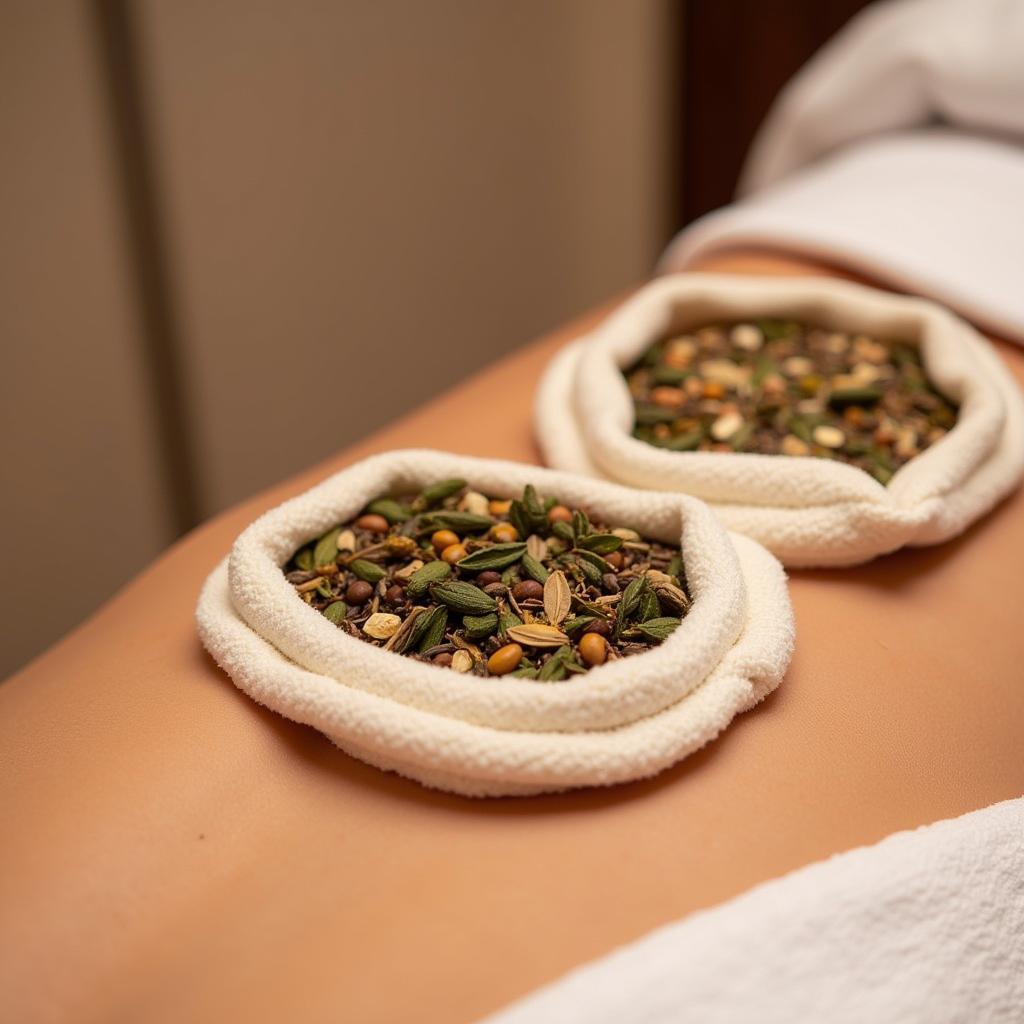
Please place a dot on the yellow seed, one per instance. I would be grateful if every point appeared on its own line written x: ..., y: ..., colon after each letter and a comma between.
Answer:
x: 505, y: 659
x: 442, y: 539
x: 504, y: 533
x: 828, y: 436
x: 453, y: 553
x: 593, y: 649
x: 499, y: 507
x: 559, y: 514
x: 792, y: 445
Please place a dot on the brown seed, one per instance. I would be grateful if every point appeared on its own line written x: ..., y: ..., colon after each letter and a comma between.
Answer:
x: 667, y: 396
x: 614, y: 559
x: 600, y: 627
x: 505, y: 659
x: 442, y: 539
x: 712, y: 389
x: 593, y: 648
x: 559, y: 514
x: 504, y: 533
x: 444, y: 659
x: 373, y: 523
x: 487, y: 577
x: 358, y: 592
x: 395, y: 595
x: 453, y: 553
x: 528, y: 590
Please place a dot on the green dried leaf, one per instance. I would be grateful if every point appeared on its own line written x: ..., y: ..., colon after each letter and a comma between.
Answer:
x: 580, y: 526
x: 564, y: 532
x: 573, y: 627
x: 463, y: 598
x: 553, y: 670
x: 600, y: 543
x: 460, y: 522
x: 326, y: 550
x: 323, y: 588
x: 507, y: 620
x: 368, y: 571
x: 658, y: 629
x: 519, y: 518
x: 524, y: 673
x: 497, y: 556
x: 336, y: 612
x: 675, y: 566
x: 648, y: 608
x: 854, y: 396
x: 422, y: 578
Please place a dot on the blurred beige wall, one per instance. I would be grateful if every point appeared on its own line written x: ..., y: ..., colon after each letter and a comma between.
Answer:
x: 359, y: 204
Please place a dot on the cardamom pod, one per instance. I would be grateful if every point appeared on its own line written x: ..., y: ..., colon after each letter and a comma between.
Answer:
x: 432, y: 626
x: 479, y: 626
x: 336, y: 612
x: 497, y: 556
x: 595, y: 560
x: 304, y: 559
x: 590, y: 573
x: 534, y: 569
x: 422, y: 578
x: 564, y: 532
x: 394, y: 512
x: 326, y: 550
x: 368, y: 571
x: 442, y: 489
x: 463, y: 598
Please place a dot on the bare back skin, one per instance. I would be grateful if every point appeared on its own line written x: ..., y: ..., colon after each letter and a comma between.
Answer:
x: 172, y: 851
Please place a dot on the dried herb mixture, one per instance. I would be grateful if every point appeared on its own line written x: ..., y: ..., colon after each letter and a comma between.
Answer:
x: 779, y: 387
x: 493, y: 586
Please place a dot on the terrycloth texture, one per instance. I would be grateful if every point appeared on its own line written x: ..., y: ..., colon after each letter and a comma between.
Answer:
x: 807, y: 511
x: 926, y: 927
x: 848, y: 167
x: 622, y: 721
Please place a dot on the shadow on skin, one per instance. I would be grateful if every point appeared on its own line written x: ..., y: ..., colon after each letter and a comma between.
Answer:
x: 318, y: 753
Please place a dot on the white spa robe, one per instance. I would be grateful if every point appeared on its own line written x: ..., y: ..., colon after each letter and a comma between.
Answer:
x: 898, y: 152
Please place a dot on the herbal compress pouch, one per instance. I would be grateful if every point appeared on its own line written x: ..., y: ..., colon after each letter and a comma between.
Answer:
x: 808, y: 511
x: 624, y: 720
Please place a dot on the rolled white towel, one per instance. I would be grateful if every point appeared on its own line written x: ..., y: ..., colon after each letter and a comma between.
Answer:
x: 807, y: 511
x: 624, y: 720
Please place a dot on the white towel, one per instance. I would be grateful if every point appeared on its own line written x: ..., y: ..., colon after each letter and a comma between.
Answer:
x: 625, y: 720
x: 807, y: 511
x: 926, y: 927
x: 849, y: 168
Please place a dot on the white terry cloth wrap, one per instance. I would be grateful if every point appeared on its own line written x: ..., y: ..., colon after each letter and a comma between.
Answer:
x: 848, y: 166
x: 624, y: 720
x: 926, y: 926
x: 807, y: 511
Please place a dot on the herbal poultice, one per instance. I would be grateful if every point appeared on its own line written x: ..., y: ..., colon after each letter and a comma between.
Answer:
x: 490, y: 586
x: 492, y: 628
x: 829, y: 421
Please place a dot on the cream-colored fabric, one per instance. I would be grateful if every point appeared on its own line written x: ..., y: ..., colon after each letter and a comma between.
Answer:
x: 625, y: 720
x: 807, y: 511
